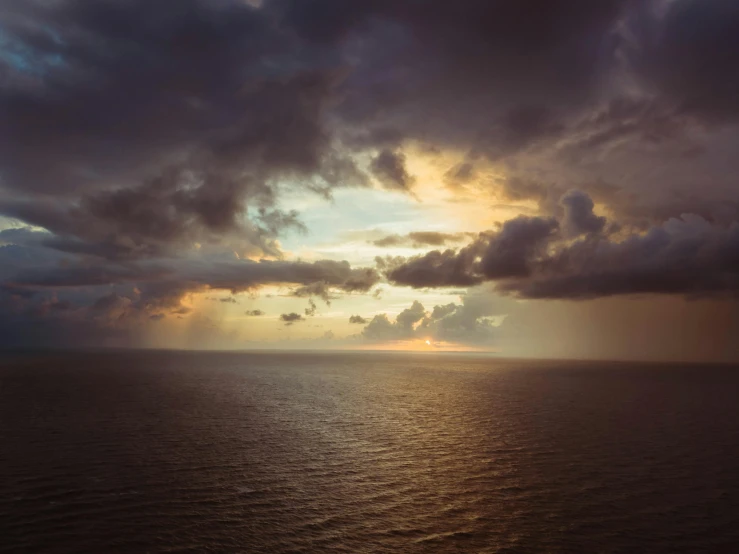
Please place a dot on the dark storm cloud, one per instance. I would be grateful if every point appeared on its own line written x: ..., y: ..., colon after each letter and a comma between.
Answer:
x: 159, y: 124
x: 489, y: 76
x: 33, y: 274
x: 136, y: 83
x: 147, y: 139
x: 579, y: 218
x: 449, y: 268
x: 54, y: 328
x: 692, y: 56
x: 532, y: 258
x: 233, y: 275
x: 509, y: 252
x: 685, y: 256
x: 112, y: 91
x: 113, y: 302
x: 578, y: 84
x: 629, y: 208
x: 167, y: 212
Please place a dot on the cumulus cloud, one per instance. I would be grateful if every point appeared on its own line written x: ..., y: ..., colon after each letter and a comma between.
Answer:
x: 358, y: 319
x: 532, y: 258
x: 686, y: 256
x: 467, y: 323
x: 578, y: 214
x: 289, y: 319
x: 509, y: 252
x: 449, y: 268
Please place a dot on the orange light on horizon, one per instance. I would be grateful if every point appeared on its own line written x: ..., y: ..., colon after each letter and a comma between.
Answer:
x: 424, y: 345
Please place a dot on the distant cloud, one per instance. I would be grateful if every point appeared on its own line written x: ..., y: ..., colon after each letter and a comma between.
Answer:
x: 465, y: 323
x: 254, y: 313
x: 419, y: 239
x: 291, y: 318
x: 358, y: 319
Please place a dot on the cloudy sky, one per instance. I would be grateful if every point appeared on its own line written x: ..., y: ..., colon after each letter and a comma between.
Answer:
x: 550, y: 178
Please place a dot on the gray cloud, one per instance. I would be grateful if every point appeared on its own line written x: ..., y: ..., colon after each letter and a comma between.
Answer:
x: 419, y: 239
x: 32, y: 275
x: 466, y: 323
x: 358, y: 319
x: 201, y: 127
x: 189, y: 83
x: 505, y: 254
x: 152, y: 144
x: 632, y: 209
x: 380, y: 328
x: 531, y: 258
x: 254, y: 313
x: 389, y: 168
x: 434, y: 269
x: 509, y: 252
x: 278, y: 88
x: 289, y: 319
x: 690, y: 56
x: 578, y: 214
x: 686, y: 256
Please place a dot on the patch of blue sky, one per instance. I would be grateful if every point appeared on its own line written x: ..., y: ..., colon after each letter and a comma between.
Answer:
x: 353, y: 210
x: 24, y: 59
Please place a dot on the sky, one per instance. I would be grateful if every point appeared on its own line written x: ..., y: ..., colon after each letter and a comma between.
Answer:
x: 543, y: 178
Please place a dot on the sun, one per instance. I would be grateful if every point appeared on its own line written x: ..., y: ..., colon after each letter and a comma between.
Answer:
x: 428, y: 343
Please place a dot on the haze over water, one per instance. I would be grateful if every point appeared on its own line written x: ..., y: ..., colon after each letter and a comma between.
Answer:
x: 231, y: 452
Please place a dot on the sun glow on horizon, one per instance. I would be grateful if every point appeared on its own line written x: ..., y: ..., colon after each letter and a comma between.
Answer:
x: 423, y: 345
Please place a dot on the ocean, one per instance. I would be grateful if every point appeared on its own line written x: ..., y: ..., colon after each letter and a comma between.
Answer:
x: 145, y: 451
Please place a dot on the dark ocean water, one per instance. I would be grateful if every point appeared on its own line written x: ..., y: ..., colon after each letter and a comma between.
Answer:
x: 182, y: 452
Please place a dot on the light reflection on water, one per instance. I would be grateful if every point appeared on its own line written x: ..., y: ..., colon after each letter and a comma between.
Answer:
x: 136, y: 452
